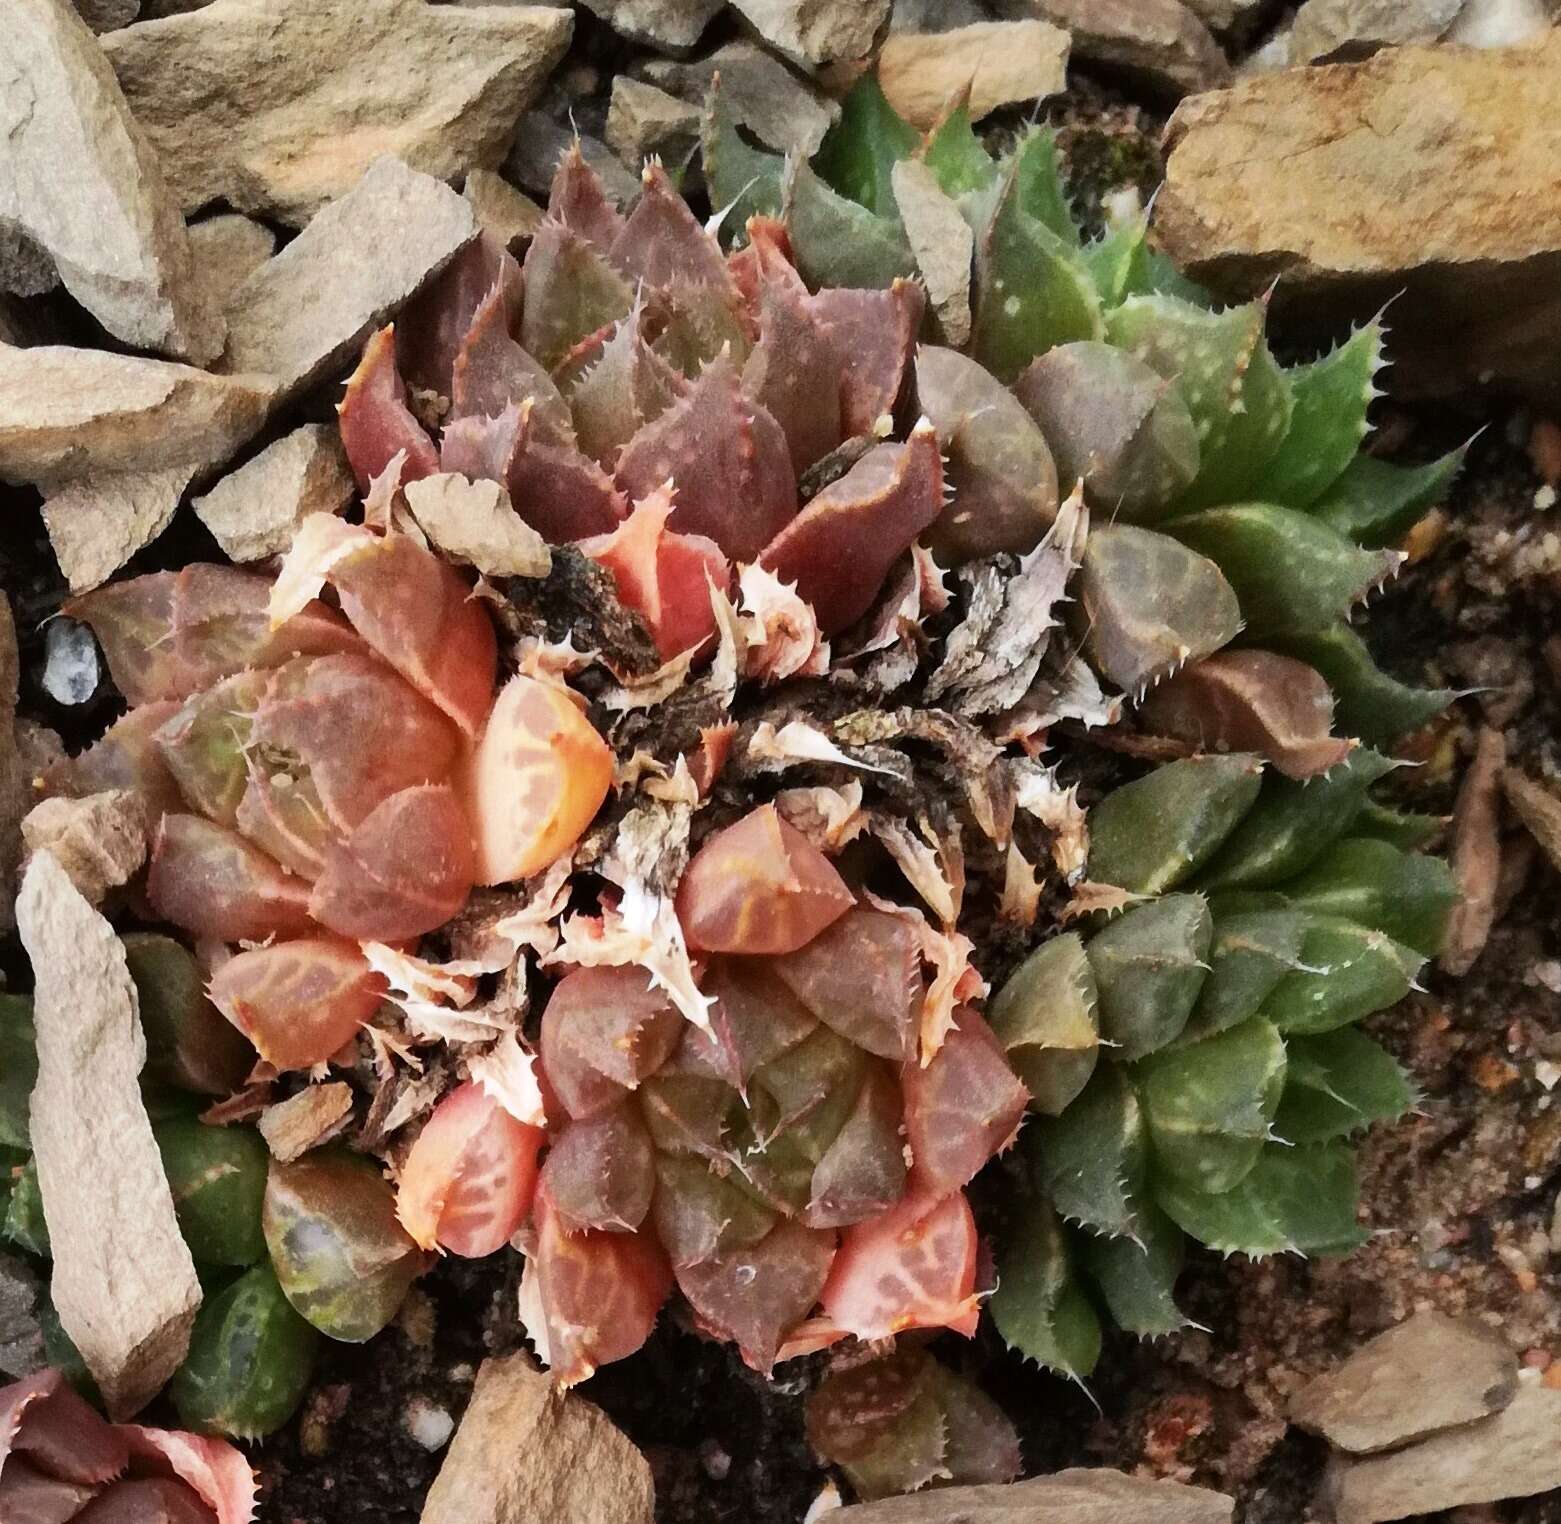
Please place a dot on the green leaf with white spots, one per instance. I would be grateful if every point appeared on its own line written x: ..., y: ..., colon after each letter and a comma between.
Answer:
x: 1292, y: 574
x: 955, y: 156
x: 1150, y: 964
x: 1238, y: 396
x: 1118, y: 261
x: 1209, y: 1105
x: 1044, y: 1016
x: 1149, y: 835
x: 1372, y: 882
x: 1033, y: 290
x: 1377, y: 503
x: 1327, y: 423
x: 1137, y: 1276
x: 840, y: 243
x: 1162, y: 278
x: 1293, y: 1201
x: 1038, y: 187
x: 1251, y: 952
x: 1366, y: 701
x: 1092, y: 1158
x: 1293, y: 823
x: 1337, y: 1083
x: 1039, y: 1307
x: 744, y: 181
x: 1350, y: 971
x: 859, y: 152
x: 218, y: 1179
x: 249, y: 1363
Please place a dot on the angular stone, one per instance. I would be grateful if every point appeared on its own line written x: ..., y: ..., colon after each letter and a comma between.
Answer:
x: 305, y: 312
x: 1499, y: 23
x: 942, y: 242
x: 228, y: 250
x: 1078, y: 1496
x: 14, y: 798
x: 526, y: 1451
x: 25, y: 270
x: 306, y: 1120
x: 253, y: 512
x: 1228, y: 15
x: 79, y: 177
x: 278, y: 106
x: 778, y: 106
x: 507, y: 214
x: 1514, y: 1454
x: 98, y: 521
x: 1416, y: 174
x: 814, y: 32
x: 99, y: 840
x: 21, y: 1334
x: 65, y: 413
x: 1339, y: 30
x: 1002, y: 62
x: 643, y: 120
x: 540, y: 143
x: 1431, y: 1372
x: 672, y: 25
x: 934, y: 15
x: 1158, y: 42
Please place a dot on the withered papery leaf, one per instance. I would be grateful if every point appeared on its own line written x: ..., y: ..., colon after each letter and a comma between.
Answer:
x: 840, y: 548
x: 124, y: 1284
x: 306, y: 1120
x: 475, y: 522
x: 1251, y: 701
x: 1476, y: 853
x: 376, y: 422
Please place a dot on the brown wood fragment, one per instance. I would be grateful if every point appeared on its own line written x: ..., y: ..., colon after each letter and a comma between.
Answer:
x: 1476, y: 854
x: 1538, y: 809
x: 304, y: 1121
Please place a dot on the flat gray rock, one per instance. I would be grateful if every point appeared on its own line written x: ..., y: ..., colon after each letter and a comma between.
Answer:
x: 278, y: 106
x: 79, y: 178
x: 255, y: 511
x: 1514, y: 1454
x: 228, y: 250
x: 305, y: 312
x: 1346, y: 29
x: 98, y: 521
x: 1069, y: 1497
x: 814, y: 32
x: 672, y: 25
x: 1431, y: 1372
x: 644, y: 121
x: 540, y: 142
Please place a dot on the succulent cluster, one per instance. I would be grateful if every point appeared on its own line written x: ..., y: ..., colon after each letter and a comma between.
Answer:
x: 749, y: 474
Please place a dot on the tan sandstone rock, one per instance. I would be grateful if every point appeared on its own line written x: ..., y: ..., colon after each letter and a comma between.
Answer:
x: 999, y: 62
x: 279, y: 105
x: 1435, y: 172
x: 507, y: 214
x: 228, y: 250
x: 254, y: 512
x: 1078, y: 1496
x: 80, y: 179
x: 813, y: 32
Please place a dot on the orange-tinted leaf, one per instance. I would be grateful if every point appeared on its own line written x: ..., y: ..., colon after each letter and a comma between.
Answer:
x: 213, y: 1467
x: 376, y: 423
x: 913, y: 1267
x: 757, y: 1295
x: 601, y: 1172
x: 563, y: 494
x: 534, y: 780
x: 961, y: 1108
x: 210, y: 882
x: 43, y: 1420
x: 759, y: 886
x: 665, y: 577
x: 603, y: 1031
x: 414, y: 610
x: 468, y: 1182
x: 729, y: 463
x: 1255, y: 701
x: 298, y: 1002
x: 597, y: 1294
x: 839, y: 549
x: 406, y: 868
x: 145, y: 1500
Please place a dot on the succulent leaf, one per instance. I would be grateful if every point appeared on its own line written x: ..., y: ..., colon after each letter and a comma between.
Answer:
x: 954, y: 154
x: 1336, y: 1083
x: 1045, y: 1018
x: 1149, y: 835
x: 1349, y: 971
x: 1149, y: 966
x: 249, y: 1363
x: 1093, y: 1158
x: 1367, y: 702
x: 840, y: 242
x: 218, y: 1179
x: 572, y: 294
x: 1293, y: 1201
x: 996, y: 461
x: 1372, y: 882
x: 1115, y: 424
x: 1238, y: 396
x: 1328, y: 422
x: 744, y: 181
x: 1250, y: 953
x: 1375, y: 502
x: 1039, y: 1307
x: 1033, y: 290
x: 1407, y: 831
x: 1038, y: 189
x: 24, y: 1220
x: 1292, y: 824
x: 860, y: 150
x: 1208, y: 1105
x: 18, y: 1069
x: 1118, y: 261
x: 1137, y: 1276
x: 1292, y: 574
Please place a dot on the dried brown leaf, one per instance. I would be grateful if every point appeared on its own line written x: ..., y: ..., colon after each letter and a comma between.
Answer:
x: 306, y: 1120
x: 1476, y: 855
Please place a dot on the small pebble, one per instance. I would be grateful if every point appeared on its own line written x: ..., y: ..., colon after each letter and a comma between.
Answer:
x: 428, y: 1424
x: 70, y: 666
